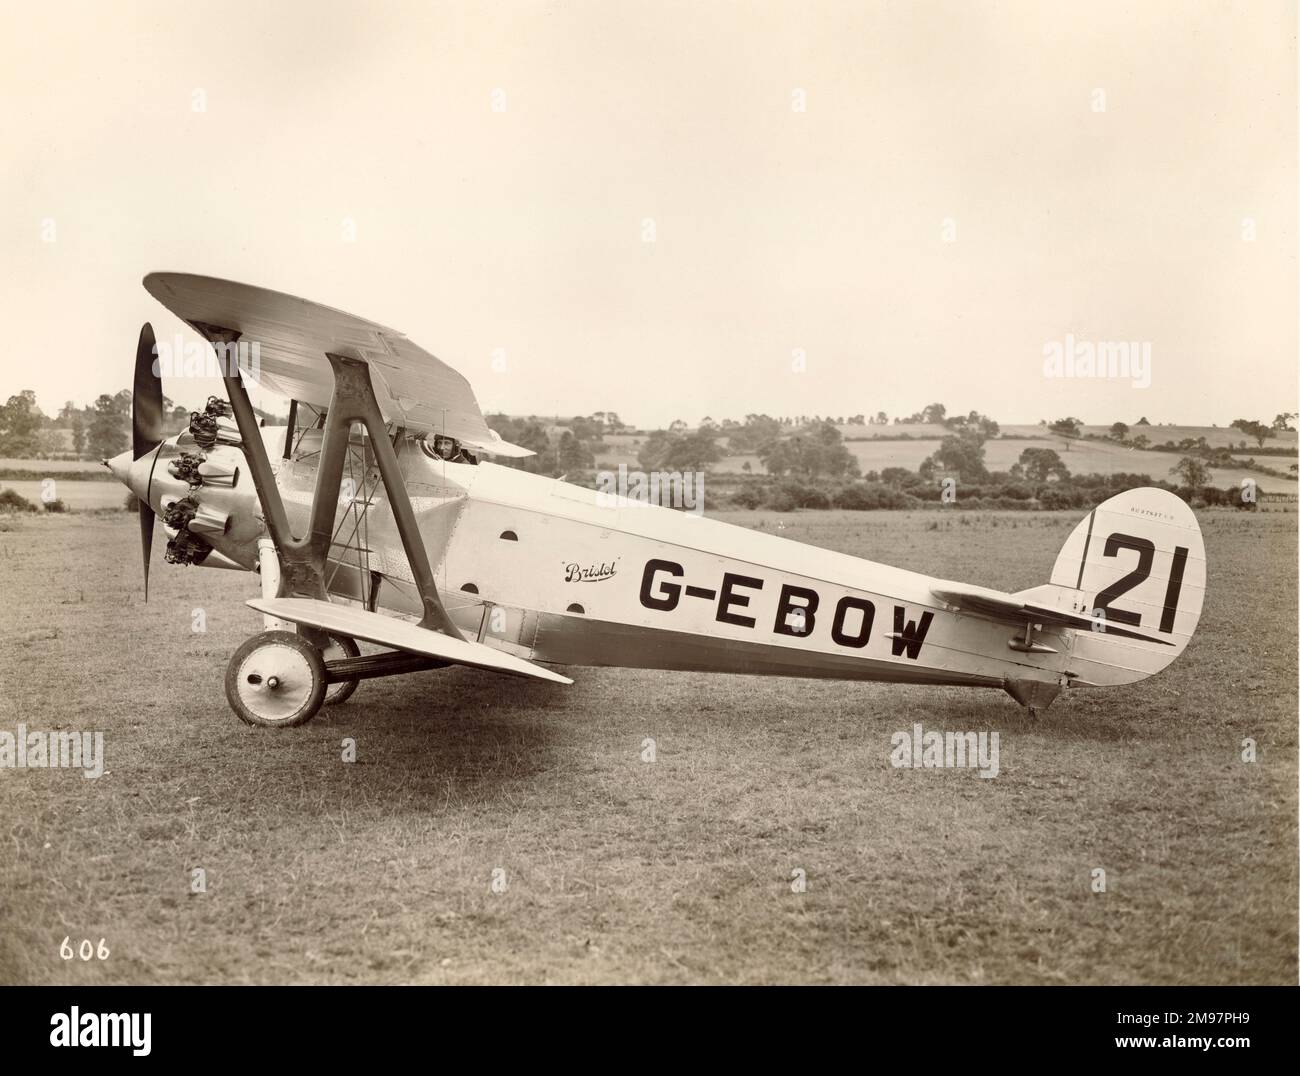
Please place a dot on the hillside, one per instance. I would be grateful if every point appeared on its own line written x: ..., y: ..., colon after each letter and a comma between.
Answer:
x: 875, y: 451
x: 1215, y: 436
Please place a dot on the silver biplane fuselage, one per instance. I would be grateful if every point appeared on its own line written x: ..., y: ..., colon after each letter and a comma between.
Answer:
x: 562, y: 574
x: 530, y: 570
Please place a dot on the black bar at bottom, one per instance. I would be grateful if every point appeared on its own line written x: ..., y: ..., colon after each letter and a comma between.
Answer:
x: 1246, y: 1027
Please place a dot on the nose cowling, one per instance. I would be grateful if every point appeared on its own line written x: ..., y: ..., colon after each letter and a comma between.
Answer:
x: 134, y: 473
x: 166, y: 473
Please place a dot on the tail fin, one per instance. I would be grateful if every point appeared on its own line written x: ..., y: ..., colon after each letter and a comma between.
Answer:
x: 1136, y: 562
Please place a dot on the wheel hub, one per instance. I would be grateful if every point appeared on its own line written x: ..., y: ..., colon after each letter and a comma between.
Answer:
x: 275, y: 682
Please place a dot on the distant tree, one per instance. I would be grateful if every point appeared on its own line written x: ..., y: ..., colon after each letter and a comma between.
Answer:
x: 590, y: 431
x: 986, y: 426
x: 896, y: 477
x: 653, y: 449
x: 1068, y: 429
x: 1119, y: 431
x: 1142, y: 421
x: 882, y: 419
x: 20, y: 425
x: 929, y: 413
x: 1140, y: 441
x: 78, y: 435
x: 1284, y: 419
x: 109, y: 428
x: 1252, y: 428
x: 817, y: 452
x: 692, y: 452
x: 932, y: 414
x: 961, y: 454
x: 1194, y: 472
x: 572, y: 455
x: 1041, y: 464
x: 757, y: 431
x: 676, y: 426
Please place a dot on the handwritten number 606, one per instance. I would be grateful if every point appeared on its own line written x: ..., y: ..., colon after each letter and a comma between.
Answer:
x: 86, y: 950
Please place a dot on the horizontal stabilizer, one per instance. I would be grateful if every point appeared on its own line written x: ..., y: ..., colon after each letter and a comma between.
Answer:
x: 388, y: 631
x: 1011, y: 609
x: 1130, y: 578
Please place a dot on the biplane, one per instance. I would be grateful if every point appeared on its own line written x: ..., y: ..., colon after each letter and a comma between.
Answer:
x: 376, y: 515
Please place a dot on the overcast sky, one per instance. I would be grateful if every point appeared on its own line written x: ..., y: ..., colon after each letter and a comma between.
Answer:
x: 966, y: 183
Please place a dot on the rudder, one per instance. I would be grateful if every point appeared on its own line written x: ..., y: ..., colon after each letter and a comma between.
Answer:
x: 1135, y: 562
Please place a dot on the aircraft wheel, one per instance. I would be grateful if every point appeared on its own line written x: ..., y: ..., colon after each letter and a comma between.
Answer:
x: 341, y: 646
x: 276, y: 680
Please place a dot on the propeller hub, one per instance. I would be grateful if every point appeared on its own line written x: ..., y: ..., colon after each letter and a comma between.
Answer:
x: 134, y: 473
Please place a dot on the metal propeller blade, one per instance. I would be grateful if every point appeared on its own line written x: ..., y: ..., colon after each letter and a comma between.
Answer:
x: 146, y: 397
x: 146, y: 428
x: 146, y: 541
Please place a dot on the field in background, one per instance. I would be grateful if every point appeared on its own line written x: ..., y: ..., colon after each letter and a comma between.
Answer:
x: 875, y: 452
x: 870, y: 444
x: 1083, y: 457
x: 75, y: 494
x: 617, y: 869
x: 50, y: 467
x: 1215, y: 436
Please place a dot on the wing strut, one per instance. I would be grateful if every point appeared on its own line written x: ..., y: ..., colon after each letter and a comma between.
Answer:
x: 353, y: 400
x: 302, y: 560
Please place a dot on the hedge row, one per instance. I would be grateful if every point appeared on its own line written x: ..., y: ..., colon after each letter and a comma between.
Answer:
x: 788, y: 495
x: 11, y: 501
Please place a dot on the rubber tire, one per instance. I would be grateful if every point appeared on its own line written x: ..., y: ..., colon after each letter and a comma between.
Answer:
x: 316, y: 668
x: 342, y: 691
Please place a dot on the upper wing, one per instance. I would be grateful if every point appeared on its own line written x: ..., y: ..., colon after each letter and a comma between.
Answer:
x: 1014, y: 609
x: 387, y: 631
x: 292, y: 337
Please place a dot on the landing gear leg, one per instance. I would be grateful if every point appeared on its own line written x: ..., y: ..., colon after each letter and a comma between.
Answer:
x: 337, y: 646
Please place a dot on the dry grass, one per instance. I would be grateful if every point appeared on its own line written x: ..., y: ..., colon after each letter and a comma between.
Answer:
x: 619, y: 870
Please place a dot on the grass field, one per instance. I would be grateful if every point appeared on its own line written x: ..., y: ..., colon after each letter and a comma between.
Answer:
x: 320, y: 871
